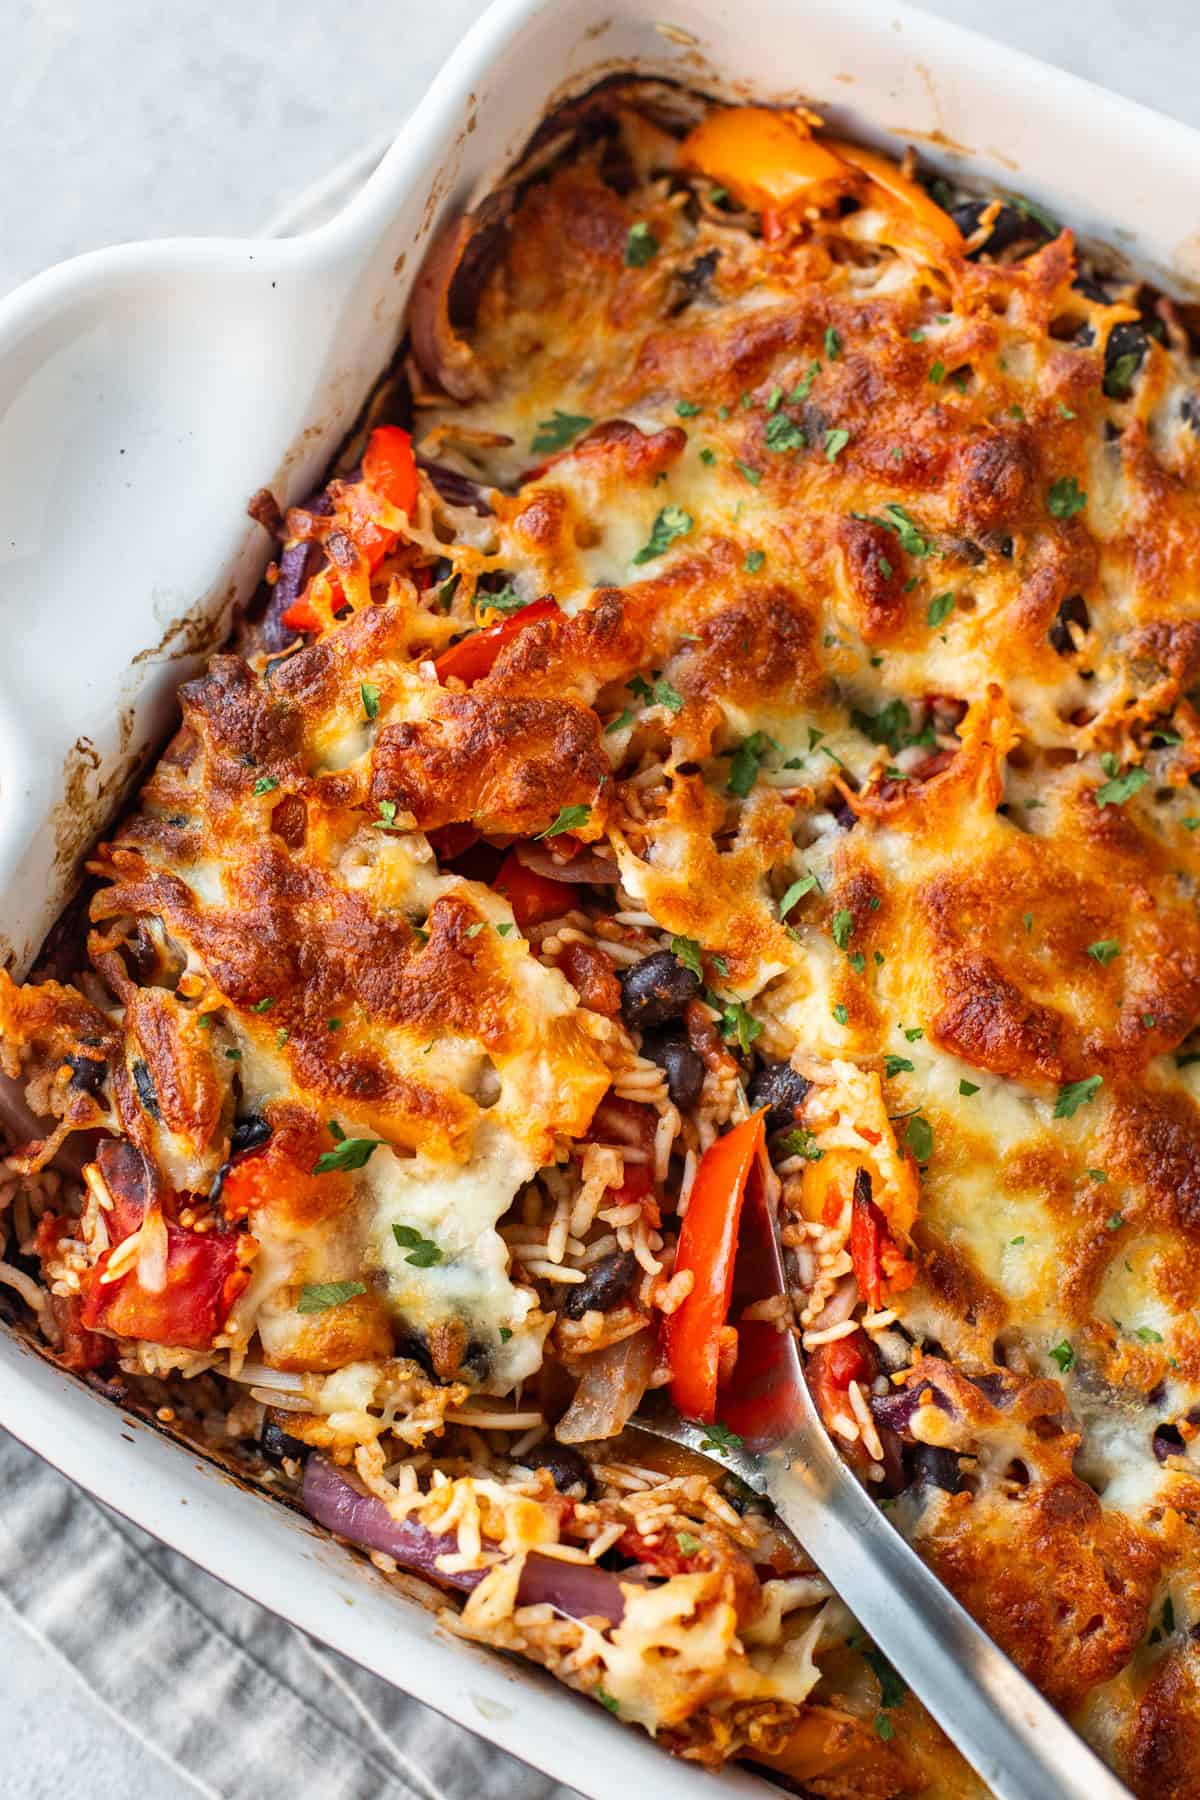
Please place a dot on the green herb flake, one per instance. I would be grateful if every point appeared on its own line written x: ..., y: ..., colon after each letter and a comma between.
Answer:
x: 720, y: 1439
x: 708, y: 456
x: 474, y: 930
x: 1064, y: 1355
x: 319, y: 1296
x: 281, y: 1037
x: 753, y: 476
x: 444, y: 594
x: 1020, y: 1239
x: 1064, y: 410
x: 387, y: 817
x: 884, y: 1727
x: 1065, y: 497
x: 840, y: 1013
x: 423, y: 1253
x: 754, y: 561
x: 842, y: 927
x: 918, y: 1135
x: 640, y: 245
x: 334, y: 1024
x: 568, y: 818
x: 266, y: 784
x: 835, y: 443
x: 688, y: 1542
x: 672, y: 522
x: 799, y: 1142
x: 265, y: 1005
x: 351, y: 1153
x: 913, y: 1032
x: 898, y: 1065
x: 560, y: 429
x: 892, y: 1687
x: 1038, y: 214
x: 619, y: 723
x: 744, y: 765
x: 688, y: 409
x: 917, y: 336
x: 940, y: 608
x: 937, y: 373
x: 370, y: 699
x: 803, y: 387
x: 1074, y: 1094
x: 1146, y: 1334
x: 738, y: 1026
x: 614, y: 1706
x: 688, y: 951
x: 783, y: 434
x: 833, y: 344
x: 1118, y: 379
x: 1103, y: 951
x: 233, y: 1056
x: 967, y: 1088
x: 795, y: 892
x: 666, y: 695
x: 505, y: 1333
x: 1120, y: 786
x: 501, y: 600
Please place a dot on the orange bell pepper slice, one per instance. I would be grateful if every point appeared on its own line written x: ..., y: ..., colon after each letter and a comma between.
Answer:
x: 911, y: 199
x: 473, y: 657
x: 708, y: 1247
x: 768, y: 160
x: 534, y: 898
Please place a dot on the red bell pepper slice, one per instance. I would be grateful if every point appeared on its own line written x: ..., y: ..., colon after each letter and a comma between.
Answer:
x: 473, y: 657
x: 390, y: 468
x: 707, y: 1246
x: 205, y: 1274
x: 873, y: 1250
x: 830, y: 1368
x: 534, y: 898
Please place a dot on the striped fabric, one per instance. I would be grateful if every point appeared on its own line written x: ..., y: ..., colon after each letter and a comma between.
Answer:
x: 234, y: 1699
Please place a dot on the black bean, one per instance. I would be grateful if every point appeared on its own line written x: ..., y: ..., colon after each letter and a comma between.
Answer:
x: 607, y: 1284
x: 276, y: 1443
x: 845, y: 814
x: 934, y: 1466
x: 1008, y: 227
x: 777, y: 1086
x: 1124, y: 354
x: 1189, y: 411
x: 1073, y: 611
x: 656, y: 989
x: 143, y: 1081
x: 87, y: 1074
x: 412, y: 1345
x: 683, y: 1068
x: 567, y: 1468
x: 250, y: 1134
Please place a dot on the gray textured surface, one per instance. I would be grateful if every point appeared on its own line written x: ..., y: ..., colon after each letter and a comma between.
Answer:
x: 134, y: 118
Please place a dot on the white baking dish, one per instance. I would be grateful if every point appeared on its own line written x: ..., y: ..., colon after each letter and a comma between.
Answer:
x: 146, y: 392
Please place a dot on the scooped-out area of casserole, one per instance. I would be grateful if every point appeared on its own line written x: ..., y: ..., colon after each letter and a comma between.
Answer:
x: 728, y: 717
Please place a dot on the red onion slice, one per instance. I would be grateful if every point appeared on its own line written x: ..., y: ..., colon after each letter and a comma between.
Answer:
x: 584, y: 866
x: 335, y: 1500
x: 610, y: 1390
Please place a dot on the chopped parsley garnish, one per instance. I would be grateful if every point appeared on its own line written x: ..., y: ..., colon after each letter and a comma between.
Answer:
x: 783, y: 433
x: 796, y: 892
x: 333, y: 1024
x: 556, y: 432
x: 892, y: 726
x: 896, y: 518
x: 1065, y: 497
x: 897, y: 1065
x: 913, y: 1032
x: 833, y: 344
x: 505, y: 926
x: 474, y: 930
x: 640, y: 245
x: 1018, y: 1240
x: 737, y: 1025
x: 351, y: 1153
x: 708, y: 456
x: 281, y: 1037
x: 264, y: 1005
x: 568, y: 818
x: 842, y: 927
x: 1064, y: 1355
x: 370, y: 699
x: 444, y: 596
x: 319, y: 1296
x: 754, y: 561
x: 800, y: 1142
x: 967, y: 1088
x: 666, y: 695
x: 940, y: 608
x: 233, y: 1056
x: 688, y: 1542
x: 687, y: 951
x: 1064, y: 410
x: 743, y: 769
x: 619, y: 723
x: 892, y: 1688
x: 672, y: 522
x: 505, y: 1333
x: 803, y: 387
x: 687, y: 409
x: 918, y: 1135
x: 720, y: 1439
x: 1120, y: 786
x: 1103, y: 951
x: 1074, y: 1094
x: 387, y: 817
x: 504, y: 600
x: 884, y: 1727
x: 917, y: 336
x: 1146, y: 1334
x: 266, y: 784
x: 840, y: 1013
x: 753, y: 476
x: 937, y: 373
x: 614, y: 1706
x: 835, y: 443
x: 423, y: 1253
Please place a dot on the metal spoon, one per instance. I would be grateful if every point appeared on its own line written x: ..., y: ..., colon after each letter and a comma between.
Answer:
x: 1009, y: 1733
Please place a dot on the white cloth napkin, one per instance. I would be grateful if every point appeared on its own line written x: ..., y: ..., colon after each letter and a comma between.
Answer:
x: 230, y: 1696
